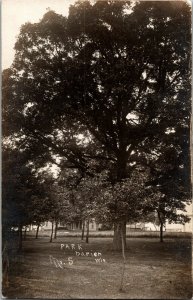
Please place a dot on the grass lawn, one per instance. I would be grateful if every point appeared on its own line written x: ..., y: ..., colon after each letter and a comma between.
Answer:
x: 153, y: 270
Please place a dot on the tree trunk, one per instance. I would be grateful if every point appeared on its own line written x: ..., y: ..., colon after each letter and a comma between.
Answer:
x: 20, y: 237
x: 87, y: 232
x: 124, y: 259
x: 83, y: 227
x: 24, y: 237
x: 161, y: 226
x: 120, y: 226
x: 5, y: 266
x: 37, y: 230
x: 52, y: 232
x: 56, y: 229
x: 119, y: 229
x: 161, y: 232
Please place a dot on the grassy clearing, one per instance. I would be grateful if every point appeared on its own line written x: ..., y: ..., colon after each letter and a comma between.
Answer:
x: 153, y: 270
x: 110, y: 233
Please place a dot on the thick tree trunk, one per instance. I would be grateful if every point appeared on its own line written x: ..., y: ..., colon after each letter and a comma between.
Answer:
x: 119, y: 229
x: 20, y: 237
x: 37, y: 231
x: 87, y: 232
x: 83, y: 227
x: 52, y: 232
x: 56, y: 229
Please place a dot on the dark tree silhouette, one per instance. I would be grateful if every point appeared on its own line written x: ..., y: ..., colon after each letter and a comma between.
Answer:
x: 19, y: 187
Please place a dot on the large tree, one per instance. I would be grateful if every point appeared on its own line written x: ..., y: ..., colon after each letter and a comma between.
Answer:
x: 114, y: 73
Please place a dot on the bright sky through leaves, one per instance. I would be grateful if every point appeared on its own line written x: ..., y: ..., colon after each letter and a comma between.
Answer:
x: 17, y: 12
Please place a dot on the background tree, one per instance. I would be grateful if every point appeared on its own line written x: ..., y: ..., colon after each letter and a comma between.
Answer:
x: 19, y: 187
x: 88, y: 197
x: 169, y: 181
x: 40, y: 210
x: 58, y: 202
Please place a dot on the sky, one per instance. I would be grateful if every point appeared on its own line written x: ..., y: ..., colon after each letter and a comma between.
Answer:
x: 14, y: 13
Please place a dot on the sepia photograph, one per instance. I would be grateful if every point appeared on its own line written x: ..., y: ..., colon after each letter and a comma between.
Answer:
x: 96, y: 149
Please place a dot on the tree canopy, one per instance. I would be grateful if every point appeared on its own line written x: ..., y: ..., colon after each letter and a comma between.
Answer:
x: 106, y: 88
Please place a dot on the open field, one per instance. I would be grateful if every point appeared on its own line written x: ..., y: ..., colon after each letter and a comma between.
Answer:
x: 153, y: 270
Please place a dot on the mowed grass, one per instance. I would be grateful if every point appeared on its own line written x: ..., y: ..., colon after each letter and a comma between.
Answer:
x: 153, y: 270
